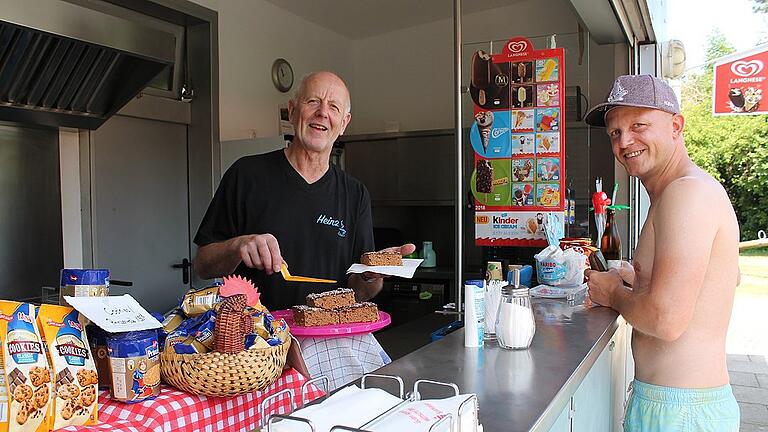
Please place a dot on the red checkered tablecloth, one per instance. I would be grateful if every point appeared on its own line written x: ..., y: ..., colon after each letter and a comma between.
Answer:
x: 175, y: 410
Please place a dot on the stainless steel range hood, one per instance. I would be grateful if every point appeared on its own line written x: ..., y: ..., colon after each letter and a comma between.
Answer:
x: 68, y: 63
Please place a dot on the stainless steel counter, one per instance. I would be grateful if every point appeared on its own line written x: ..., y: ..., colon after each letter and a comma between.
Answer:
x: 518, y: 390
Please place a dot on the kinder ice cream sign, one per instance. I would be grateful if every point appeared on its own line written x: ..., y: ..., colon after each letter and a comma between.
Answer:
x: 741, y: 83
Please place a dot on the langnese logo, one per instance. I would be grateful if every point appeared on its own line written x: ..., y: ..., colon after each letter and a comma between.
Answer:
x: 517, y: 46
x: 336, y: 223
x: 747, y: 69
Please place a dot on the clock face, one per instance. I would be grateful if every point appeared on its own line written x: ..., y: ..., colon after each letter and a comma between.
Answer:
x: 282, y: 75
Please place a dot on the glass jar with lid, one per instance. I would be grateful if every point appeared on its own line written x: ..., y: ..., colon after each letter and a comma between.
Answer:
x: 515, y: 323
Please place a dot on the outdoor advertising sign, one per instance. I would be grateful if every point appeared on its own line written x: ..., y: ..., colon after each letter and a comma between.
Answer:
x: 741, y: 81
x: 518, y: 140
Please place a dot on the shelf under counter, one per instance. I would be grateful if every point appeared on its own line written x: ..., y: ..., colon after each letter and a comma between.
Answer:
x: 527, y: 389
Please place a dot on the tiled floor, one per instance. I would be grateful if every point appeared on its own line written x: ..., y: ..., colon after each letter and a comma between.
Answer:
x: 747, y: 349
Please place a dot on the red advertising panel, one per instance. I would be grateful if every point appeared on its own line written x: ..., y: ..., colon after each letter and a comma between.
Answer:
x: 518, y: 140
x: 741, y: 81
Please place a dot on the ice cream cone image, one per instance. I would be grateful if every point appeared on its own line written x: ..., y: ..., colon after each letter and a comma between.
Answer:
x: 484, y: 121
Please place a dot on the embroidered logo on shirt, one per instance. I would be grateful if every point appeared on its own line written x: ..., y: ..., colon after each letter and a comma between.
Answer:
x: 337, y: 223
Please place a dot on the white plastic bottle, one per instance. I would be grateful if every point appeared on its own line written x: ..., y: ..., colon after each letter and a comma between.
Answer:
x: 474, y: 313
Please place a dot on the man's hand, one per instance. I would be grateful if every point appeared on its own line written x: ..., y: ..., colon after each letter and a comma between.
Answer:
x: 602, y: 285
x: 259, y: 251
x: 219, y: 259
x: 403, y: 250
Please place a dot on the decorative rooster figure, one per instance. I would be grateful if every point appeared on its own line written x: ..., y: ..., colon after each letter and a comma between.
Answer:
x: 232, y: 321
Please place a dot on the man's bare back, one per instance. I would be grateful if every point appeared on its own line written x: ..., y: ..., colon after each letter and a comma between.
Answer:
x: 697, y: 358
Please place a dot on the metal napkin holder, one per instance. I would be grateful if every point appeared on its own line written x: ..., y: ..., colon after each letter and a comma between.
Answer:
x: 412, y: 396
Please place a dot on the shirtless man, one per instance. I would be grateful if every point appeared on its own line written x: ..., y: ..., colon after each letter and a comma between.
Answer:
x: 678, y: 292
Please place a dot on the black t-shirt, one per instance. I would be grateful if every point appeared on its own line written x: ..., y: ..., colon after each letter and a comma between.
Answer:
x: 321, y: 227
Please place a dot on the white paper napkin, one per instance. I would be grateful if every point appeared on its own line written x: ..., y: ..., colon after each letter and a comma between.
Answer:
x: 405, y: 271
x: 350, y: 406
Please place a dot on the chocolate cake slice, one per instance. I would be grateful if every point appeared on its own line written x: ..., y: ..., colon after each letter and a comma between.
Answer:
x: 381, y: 259
x: 338, y: 298
x: 308, y: 316
x: 359, y: 312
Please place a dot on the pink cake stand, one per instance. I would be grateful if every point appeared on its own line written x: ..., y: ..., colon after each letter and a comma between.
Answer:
x: 332, y: 329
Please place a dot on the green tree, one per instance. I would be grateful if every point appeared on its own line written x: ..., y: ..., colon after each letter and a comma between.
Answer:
x: 733, y: 149
x: 760, y: 6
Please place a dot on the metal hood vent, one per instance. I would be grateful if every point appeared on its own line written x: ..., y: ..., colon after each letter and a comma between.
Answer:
x: 76, y: 70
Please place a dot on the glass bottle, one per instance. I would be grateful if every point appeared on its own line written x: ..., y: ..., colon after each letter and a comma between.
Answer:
x: 515, y: 324
x: 610, y: 243
x: 430, y: 258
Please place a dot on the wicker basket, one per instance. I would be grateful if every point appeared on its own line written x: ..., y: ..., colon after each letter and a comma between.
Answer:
x: 218, y: 374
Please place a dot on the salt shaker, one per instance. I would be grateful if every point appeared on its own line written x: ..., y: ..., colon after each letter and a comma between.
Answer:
x: 515, y: 324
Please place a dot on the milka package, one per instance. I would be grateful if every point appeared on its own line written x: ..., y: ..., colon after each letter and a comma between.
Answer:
x: 75, y: 378
x: 27, y: 388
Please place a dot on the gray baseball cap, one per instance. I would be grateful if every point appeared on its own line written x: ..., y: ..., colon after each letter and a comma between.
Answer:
x: 643, y: 91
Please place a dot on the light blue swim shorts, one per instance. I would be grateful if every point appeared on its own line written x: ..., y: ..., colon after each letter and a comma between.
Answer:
x: 655, y: 408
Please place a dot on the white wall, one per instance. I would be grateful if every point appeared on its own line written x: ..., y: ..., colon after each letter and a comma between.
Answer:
x: 71, y: 210
x: 404, y: 76
x: 407, y: 75
x: 252, y: 34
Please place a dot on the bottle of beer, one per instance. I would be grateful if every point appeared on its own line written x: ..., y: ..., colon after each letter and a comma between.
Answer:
x: 610, y: 243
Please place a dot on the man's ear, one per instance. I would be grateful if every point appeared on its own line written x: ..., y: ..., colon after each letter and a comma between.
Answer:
x: 291, y: 107
x: 345, y: 122
x: 678, y: 124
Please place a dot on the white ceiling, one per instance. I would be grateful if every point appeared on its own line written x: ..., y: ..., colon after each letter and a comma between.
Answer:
x: 358, y: 19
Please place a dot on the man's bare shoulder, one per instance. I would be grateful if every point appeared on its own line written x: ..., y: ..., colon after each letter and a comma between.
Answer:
x: 693, y: 188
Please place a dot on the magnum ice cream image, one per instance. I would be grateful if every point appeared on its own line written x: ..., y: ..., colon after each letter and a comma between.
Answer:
x: 522, y: 96
x: 736, y: 98
x: 522, y: 72
x: 483, y: 176
x: 489, y: 81
x: 746, y: 100
x: 484, y: 121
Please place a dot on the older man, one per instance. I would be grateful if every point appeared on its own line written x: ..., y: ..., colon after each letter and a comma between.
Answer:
x: 291, y: 205
x: 678, y: 292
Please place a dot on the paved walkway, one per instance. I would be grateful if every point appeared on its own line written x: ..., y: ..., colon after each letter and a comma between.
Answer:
x: 747, y: 348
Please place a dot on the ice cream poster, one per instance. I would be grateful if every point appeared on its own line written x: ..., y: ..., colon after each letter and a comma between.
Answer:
x: 522, y: 144
x: 548, y: 142
x: 510, y: 228
x: 489, y: 134
x: 522, y: 120
x: 517, y: 134
x: 547, y: 169
x: 741, y: 84
x: 491, y: 183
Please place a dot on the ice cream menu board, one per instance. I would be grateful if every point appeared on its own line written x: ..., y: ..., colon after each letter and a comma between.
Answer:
x: 740, y: 81
x: 518, y: 139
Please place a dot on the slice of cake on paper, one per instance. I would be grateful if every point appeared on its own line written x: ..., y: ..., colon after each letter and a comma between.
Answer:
x: 359, y: 312
x: 381, y: 259
x: 308, y: 316
x: 338, y: 298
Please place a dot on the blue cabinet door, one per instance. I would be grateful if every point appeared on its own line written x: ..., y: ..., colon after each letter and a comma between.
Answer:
x: 592, y: 402
x: 563, y: 422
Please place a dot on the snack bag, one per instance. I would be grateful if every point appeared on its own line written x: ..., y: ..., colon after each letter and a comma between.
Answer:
x: 75, y: 398
x: 27, y: 377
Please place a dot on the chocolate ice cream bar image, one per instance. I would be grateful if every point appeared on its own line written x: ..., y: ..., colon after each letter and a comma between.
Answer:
x: 484, y: 176
x: 484, y: 121
x: 736, y: 97
x: 481, y: 75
